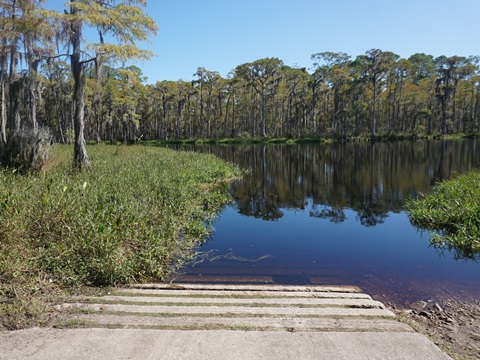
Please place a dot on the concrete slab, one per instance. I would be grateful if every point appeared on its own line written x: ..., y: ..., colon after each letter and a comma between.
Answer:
x: 199, y: 321
x: 239, y: 310
x: 249, y: 287
x: 242, y: 293
x: 287, y: 323
x: 312, y: 301
x: 51, y: 344
x: 228, y: 279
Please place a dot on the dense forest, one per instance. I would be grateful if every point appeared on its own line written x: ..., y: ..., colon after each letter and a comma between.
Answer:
x: 375, y: 94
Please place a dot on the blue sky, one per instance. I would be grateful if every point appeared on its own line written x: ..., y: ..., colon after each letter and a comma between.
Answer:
x: 221, y: 34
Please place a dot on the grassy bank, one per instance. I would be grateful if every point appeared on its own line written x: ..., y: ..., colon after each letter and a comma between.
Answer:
x: 452, y: 210
x: 136, y: 215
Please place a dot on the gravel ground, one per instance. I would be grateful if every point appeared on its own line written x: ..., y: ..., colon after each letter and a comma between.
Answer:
x: 453, y: 324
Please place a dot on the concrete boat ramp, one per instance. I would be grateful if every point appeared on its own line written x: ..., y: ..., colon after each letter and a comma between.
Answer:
x: 199, y: 321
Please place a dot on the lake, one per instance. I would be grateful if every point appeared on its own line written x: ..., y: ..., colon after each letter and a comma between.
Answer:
x: 328, y: 214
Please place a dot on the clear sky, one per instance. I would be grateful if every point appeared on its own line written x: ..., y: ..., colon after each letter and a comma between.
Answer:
x: 221, y: 34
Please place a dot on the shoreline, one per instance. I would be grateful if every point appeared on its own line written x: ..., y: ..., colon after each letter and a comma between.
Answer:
x: 452, y: 324
x: 306, y: 140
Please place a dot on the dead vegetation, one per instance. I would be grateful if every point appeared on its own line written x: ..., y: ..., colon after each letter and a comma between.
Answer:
x: 26, y: 150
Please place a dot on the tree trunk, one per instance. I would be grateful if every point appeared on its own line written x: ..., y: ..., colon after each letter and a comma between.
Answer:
x: 233, y: 117
x: 313, y: 106
x: 444, y: 117
x: 80, y: 158
x: 32, y: 81
x: 476, y: 111
x: 264, y: 134
x: 3, y: 120
x: 374, y: 108
x: 3, y: 114
x: 16, y: 95
x: 225, y: 119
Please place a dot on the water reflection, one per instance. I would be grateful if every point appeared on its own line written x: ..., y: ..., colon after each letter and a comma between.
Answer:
x: 373, y: 179
x: 308, y: 214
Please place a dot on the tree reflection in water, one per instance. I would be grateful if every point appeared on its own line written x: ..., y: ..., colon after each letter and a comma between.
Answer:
x: 372, y: 179
x: 322, y: 203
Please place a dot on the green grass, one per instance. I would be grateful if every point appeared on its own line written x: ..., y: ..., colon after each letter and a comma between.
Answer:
x: 452, y: 211
x: 136, y: 215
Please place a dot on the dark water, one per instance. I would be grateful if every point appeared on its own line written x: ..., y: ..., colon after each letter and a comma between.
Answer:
x: 333, y: 214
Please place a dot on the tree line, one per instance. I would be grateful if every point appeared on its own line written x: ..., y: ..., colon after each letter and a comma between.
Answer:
x: 378, y: 93
x: 50, y: 79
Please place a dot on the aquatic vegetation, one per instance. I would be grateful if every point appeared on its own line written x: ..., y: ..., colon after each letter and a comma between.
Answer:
x: 452, y: 211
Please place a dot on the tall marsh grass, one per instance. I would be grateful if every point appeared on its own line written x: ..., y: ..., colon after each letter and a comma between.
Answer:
x: 134, y: 216
x: 452, y: 211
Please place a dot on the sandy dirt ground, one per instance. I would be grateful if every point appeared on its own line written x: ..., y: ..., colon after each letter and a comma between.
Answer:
x: 453, y: 324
